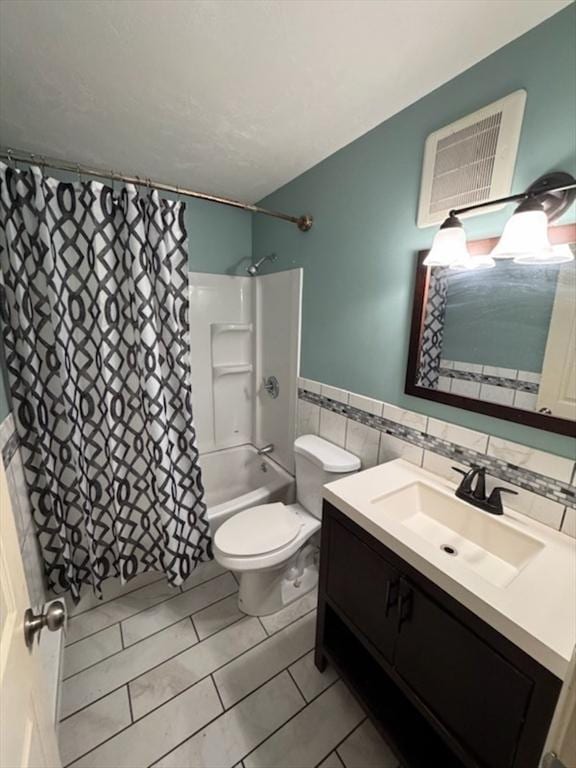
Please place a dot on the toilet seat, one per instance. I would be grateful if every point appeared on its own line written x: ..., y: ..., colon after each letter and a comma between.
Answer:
x: 290, y: 527
x: 258, y: 530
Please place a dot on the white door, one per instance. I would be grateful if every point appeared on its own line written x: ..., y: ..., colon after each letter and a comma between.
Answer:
x: 27, y: 732
x: 557, y: 391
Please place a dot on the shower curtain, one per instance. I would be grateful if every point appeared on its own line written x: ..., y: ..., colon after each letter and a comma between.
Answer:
x: 94, y: 299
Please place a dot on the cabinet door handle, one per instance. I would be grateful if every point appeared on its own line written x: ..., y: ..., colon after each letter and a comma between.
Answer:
x: 391, y: 596
x: 405, y: 600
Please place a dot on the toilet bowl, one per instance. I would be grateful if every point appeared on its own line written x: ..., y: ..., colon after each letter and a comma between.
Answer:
x: 274, y: 547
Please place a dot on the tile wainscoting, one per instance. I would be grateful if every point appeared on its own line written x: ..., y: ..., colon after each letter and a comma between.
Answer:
x: 22, y: 512
x: 379, y: 432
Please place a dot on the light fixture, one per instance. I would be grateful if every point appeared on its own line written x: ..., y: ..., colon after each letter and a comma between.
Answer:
x: 559, y: 254
x: 525, y: 237
x: 449, y: 246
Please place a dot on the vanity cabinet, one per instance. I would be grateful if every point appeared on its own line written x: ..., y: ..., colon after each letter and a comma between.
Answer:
x: 443, y: 687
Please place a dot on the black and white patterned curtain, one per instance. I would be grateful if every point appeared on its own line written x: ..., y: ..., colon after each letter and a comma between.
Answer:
x: 432, y: 339
x: 95, y: 322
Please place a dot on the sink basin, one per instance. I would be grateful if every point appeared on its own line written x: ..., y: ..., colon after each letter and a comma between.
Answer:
x: 476, y: 539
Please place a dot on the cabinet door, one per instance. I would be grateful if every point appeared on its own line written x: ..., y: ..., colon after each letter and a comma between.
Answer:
x: 474, y: 692
x: 364, y: 586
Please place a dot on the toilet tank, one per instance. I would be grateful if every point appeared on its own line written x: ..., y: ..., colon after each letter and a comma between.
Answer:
x: 319, y: 462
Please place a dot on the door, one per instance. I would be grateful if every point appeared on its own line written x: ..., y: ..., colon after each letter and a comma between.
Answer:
x: 557, y: 391
x: 27, y: 733
x: 478, y: 696
x: 364, y: 586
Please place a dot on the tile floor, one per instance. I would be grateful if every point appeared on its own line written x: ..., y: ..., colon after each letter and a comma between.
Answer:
x: 181, y: 679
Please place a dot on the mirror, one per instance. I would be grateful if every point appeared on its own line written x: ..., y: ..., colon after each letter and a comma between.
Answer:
x: 498, y: 341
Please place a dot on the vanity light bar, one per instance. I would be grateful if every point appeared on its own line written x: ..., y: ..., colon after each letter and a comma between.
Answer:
x: 525, y: 237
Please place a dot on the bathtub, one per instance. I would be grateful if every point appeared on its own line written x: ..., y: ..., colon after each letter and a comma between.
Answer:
x: 237, y: 478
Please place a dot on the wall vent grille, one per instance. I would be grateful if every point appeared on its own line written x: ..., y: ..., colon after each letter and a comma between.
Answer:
x: 471, y: 160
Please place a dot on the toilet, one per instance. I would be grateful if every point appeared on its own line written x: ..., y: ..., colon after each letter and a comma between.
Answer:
x: 273, y: 547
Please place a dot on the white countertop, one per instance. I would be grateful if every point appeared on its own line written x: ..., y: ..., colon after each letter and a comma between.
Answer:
x: 536, y: 610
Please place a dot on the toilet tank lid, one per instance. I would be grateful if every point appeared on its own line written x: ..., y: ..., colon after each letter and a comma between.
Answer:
x: 330, y: 457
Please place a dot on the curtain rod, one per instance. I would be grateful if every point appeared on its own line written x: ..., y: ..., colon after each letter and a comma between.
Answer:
x: 304, y: 222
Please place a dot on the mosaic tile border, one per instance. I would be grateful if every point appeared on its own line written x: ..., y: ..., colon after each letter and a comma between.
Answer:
x: 550, y: 488
x: 495, y: 381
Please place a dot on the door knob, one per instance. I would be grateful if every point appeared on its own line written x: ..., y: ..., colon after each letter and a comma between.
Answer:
x: 54, y: 618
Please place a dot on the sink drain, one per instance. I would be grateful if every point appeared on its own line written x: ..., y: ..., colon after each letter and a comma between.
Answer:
x: 448, y: 549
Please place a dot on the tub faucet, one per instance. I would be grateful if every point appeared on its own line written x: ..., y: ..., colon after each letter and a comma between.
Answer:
x: 266, y: 449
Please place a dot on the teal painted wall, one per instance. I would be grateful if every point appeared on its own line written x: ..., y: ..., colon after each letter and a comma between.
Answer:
x: 359, y: 258
x: 219, y: 240
x: 500, y: 316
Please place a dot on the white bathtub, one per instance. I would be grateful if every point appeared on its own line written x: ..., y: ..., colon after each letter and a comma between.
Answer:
x: 237, y: 478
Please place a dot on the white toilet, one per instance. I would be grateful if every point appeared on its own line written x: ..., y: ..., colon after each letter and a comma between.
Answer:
x: 272, y: 547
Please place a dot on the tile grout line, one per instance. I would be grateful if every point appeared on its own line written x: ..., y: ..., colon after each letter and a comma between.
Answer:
x: 171, y: 658
x: 149, y: 607
x: 337, y: 747
x: 218, y: 693
x: 161, y: 757
x: 304, y: 699
x: 121, y: 639
x: 130, y: 704
x: 301, y: 709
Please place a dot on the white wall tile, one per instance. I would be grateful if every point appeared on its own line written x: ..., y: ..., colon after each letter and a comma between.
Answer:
x: 365, y: 747
x: 535, y: 378
x: 363, y: 441
x: 442, y: 466
x: 407, y: 418
x: 308, y: 422
x: 394, y: 448
x: 312, y: 734
x: 334, y: 393
x: 467, y: 438
x: 150, y: 738
x: 240, y: 729
x: 333, y: 427
x: 93, y: 725
x: 502, y: 373
x: 444, y: 384
x: 465, y: 388
x: 531, y: 504
x: 494, y: 394
x: 309, y: 679
x: 367, y: 404
x: 459, y: 365
x: 569, y: 524
x: 529, y: 458
x: 311, y: 386
x: 525, y: 400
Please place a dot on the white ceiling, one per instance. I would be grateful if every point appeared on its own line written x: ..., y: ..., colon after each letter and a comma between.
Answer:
x: 235, y: 97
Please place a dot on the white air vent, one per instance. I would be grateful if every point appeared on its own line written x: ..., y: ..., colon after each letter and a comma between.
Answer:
x: 471, y: 160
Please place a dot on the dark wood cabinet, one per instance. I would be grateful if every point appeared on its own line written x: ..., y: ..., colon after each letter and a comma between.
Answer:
x: 443, y: 687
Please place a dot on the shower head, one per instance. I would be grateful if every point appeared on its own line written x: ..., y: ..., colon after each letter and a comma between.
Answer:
x: 253, y: 269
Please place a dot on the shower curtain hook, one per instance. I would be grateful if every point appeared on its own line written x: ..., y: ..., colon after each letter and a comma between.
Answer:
x: 11, y: 162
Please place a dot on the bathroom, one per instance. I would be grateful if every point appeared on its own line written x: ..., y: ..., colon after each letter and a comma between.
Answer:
x: 288, y: 383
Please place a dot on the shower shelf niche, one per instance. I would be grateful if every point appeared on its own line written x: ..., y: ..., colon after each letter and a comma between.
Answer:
x: 218, y: 328
x: 227, y: 370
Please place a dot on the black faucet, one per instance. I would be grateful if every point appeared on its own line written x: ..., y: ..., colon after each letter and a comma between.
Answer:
x: 477, y: 495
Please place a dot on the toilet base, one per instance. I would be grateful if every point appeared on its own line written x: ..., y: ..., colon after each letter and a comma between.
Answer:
x: 268, y: 591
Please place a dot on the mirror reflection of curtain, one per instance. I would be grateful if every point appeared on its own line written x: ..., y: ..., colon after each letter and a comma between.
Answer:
x: 433, y: 329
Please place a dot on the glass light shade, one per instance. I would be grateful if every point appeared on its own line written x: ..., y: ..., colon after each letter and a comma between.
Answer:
x: 474, y: 262
x: 448, y: 247
x: 525, y: 233
x: 558, y: 254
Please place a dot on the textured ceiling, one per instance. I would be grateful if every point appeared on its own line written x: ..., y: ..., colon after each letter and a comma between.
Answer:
x: 235, y: 97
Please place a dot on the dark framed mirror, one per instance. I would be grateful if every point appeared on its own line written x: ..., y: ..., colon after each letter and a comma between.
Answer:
x: 499, y: 341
